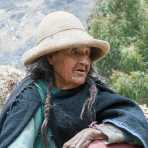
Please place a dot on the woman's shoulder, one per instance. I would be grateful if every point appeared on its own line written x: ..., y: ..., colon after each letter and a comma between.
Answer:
x: 25, y: 86
x: 108, y: 95
x: 21, y: 105
x: 102, y: 86
x: 25, y: 91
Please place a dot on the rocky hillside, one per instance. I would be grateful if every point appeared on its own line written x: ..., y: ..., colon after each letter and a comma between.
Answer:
x: 19, y: 20
x: 9, y: 76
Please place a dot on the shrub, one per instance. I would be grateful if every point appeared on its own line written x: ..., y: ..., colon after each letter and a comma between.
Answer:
x: 133, y: 85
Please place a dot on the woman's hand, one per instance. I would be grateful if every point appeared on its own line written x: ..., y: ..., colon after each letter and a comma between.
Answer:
x: 84, y: 138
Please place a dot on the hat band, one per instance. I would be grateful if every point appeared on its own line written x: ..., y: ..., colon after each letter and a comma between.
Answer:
x: 51, y: 35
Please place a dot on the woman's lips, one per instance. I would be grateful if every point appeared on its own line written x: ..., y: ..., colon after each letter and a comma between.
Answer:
x: 81, y: 71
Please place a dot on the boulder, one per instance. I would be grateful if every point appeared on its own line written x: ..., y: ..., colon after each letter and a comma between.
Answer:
x: 144, y: 107
x: 9, y: 76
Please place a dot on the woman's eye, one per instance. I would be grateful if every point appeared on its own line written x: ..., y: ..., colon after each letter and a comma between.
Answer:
x: 87, y: 52
x: 78, y: 52
x: 75, y: 51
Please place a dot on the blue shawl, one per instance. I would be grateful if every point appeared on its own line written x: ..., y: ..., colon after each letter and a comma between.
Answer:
x: 65, y: 119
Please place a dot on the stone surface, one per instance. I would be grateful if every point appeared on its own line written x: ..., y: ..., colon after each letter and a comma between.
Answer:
x: 144, y: 107
x: 19, y: 20
x: 9, y: 76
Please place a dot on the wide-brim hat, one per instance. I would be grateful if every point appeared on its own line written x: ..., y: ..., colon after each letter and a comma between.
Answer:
x: 62, y: 30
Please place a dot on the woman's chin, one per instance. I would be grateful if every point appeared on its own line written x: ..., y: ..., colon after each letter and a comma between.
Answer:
x: 79, y: 81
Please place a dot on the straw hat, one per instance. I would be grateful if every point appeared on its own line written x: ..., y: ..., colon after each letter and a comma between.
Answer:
x: 62, y: 30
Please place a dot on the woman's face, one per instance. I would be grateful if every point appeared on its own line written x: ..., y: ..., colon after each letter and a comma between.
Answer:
x: 70, y: 66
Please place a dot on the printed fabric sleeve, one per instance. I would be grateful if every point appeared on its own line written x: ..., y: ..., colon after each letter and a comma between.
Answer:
x: 123, y: 113
x: 116, y: 135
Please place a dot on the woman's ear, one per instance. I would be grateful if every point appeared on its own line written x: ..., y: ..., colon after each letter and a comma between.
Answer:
x: 50, y: 59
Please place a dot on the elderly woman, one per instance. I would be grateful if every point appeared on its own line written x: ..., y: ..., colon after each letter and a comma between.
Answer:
x: 62, y: 103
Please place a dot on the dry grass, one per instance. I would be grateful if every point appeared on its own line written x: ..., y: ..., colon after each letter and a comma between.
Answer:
x: 9, y: 76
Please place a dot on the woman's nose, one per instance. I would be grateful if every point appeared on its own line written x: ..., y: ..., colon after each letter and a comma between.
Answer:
x: 84, y: 60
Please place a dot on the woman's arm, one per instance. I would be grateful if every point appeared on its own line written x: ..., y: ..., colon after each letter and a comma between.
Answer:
x: 108, y: 133
x: 115, y: 134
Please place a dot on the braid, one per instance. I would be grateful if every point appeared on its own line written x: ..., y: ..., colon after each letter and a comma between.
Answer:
x: 95, y: 80
x: 88, y: 104
x: 44, y: 127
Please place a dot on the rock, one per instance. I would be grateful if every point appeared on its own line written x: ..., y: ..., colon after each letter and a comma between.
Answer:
x: 144, y: 107
x: 19, y: 21
x: 9, y: 76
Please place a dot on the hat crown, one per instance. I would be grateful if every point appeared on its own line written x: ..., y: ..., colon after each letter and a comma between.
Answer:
x: 57, y: 22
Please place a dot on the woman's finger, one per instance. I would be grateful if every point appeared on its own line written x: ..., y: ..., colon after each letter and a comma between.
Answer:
x: 74, y: 140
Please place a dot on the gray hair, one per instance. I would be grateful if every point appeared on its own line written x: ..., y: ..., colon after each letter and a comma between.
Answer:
x: 41, y: 69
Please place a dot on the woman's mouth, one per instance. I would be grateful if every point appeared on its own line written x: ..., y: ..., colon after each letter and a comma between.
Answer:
x: 81, y: 71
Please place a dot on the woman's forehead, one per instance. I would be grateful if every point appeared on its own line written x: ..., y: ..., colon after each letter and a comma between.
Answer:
x: 78, y: 49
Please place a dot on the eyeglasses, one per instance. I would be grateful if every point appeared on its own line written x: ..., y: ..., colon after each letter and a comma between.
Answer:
x: 76, y: 52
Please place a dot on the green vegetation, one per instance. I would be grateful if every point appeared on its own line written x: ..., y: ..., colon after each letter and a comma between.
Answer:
x: 124, y: 24
x: 133, y: 85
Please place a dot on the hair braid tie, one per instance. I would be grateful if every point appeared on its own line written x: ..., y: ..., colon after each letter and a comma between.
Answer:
x: 89, y: 101
x: 44, y: 127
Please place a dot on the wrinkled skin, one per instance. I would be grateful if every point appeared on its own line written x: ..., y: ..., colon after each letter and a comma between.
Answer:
x: 84, y: 138
x: 70, y: 66
x: 101, y: 144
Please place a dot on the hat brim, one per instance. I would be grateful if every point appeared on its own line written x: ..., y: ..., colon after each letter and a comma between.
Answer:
x: 64, y: 40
